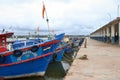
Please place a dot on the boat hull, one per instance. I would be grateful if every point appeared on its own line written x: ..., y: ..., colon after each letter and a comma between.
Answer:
x: 28, y: 59
x: 32, y: 67
x: 59, y: 54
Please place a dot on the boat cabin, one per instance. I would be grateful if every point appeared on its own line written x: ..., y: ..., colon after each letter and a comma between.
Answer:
x: 3, y: 40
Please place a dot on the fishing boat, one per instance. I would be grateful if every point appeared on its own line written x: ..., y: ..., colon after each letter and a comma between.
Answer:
x: 64, y: 48
x: 58, y: 54
x: 69, y: 45
x: 26, y: 58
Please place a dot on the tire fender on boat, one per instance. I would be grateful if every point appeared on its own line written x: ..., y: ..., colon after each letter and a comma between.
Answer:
x: 17, y: 53
x: 2, y: 59
x: 34, y: 48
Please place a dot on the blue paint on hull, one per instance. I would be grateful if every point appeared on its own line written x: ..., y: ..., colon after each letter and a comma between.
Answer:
x: 68, y: 49
x: 33, y: 66
x: 60, y: 55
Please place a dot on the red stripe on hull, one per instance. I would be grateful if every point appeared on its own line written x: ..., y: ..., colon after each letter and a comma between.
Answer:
x: 60, y: 48
x: 10, y: 64
x: 24, y: 49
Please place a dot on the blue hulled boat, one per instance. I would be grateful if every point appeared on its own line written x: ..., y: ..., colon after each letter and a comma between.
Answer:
x: 27, y: 58
x: 58, y: 54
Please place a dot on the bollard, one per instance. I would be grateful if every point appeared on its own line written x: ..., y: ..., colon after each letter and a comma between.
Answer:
x: 85, y: 44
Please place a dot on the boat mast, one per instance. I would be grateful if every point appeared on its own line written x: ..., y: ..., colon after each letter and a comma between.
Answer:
x: 47, y: 20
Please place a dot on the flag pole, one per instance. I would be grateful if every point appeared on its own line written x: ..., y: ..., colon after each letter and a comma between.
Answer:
x: 47, y: 20
x: 38, y: 30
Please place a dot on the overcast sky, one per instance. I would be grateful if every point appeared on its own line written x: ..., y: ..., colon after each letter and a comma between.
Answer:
x: 69, y: 16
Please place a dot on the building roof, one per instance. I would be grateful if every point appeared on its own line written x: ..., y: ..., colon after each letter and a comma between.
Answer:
x: 108, y: 24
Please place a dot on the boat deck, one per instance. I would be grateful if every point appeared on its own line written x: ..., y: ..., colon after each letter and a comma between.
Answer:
x: 103, y: 62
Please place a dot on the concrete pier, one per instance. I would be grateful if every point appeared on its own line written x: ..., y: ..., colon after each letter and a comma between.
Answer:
x: 103, y: 62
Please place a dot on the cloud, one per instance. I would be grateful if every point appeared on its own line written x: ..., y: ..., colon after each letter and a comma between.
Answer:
x: 69, y: 16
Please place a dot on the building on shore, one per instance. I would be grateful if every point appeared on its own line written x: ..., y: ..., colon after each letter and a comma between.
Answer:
x: 109, y: 33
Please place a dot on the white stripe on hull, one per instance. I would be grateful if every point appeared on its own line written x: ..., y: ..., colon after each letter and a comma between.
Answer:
x: 26, y: 75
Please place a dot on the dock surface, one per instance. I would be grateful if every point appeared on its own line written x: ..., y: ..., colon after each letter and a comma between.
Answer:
x: 103, y: 62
